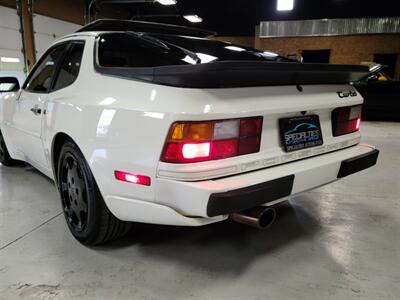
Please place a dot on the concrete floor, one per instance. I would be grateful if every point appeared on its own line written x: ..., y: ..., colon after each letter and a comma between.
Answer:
x: 341, y: 241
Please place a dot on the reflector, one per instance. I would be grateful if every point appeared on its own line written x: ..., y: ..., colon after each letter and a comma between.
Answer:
x: 132, y: 178
x: 358, y: 123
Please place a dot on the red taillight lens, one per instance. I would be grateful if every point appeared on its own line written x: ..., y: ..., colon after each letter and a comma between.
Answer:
x: 132, y: 178
x: 346, y: 120
x: 224, y: 149
x: 250, y: 127
x: 190, y: 142
x: 247, y: 145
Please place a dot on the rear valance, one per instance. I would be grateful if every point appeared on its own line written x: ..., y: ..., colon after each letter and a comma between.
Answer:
x: 228, y: 74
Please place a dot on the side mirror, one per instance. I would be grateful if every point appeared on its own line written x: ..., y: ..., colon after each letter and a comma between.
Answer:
x: 9, y: 84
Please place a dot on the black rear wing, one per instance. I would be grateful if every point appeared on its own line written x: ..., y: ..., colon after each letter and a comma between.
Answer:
x: 230, y: 74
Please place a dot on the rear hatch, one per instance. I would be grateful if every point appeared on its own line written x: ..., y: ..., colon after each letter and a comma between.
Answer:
x: 207, y: 80
x: 289, y: 114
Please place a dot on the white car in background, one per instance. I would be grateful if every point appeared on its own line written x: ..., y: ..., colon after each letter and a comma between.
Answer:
x: 153, y: 123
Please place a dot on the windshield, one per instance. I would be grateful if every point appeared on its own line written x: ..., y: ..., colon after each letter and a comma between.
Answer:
x: 129, y: 50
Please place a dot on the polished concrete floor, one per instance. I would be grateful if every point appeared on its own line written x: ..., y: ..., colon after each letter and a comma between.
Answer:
x: 341, y: 241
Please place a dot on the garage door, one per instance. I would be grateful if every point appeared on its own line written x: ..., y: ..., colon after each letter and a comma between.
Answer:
x: 11, y: 57
x: 47, y: 30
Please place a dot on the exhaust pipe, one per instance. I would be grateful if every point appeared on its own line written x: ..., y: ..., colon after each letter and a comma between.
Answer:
x: 260, y: 217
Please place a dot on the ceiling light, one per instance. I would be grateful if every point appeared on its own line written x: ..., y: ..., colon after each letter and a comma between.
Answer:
x: 166, y: 2
x: 193, y: 18
x: 10, y: 59
x: 284, y: 5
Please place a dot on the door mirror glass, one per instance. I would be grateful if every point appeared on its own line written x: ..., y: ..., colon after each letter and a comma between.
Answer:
x: 9, y: 84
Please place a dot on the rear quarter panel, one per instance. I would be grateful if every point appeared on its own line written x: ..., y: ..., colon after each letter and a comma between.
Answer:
x: 121, y: 124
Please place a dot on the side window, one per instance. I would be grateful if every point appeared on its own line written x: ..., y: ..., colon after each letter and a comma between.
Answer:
x: 41, y: 79
x: 70, y: 66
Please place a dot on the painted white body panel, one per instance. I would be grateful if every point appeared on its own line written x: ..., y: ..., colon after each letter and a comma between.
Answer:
x: 122, y: 124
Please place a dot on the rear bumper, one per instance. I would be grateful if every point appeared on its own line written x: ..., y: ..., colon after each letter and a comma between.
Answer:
x: 248, y: 197
x: 203, y: 202
x: 358, y: 163
x: 241, y: 199
x: 200, y: 198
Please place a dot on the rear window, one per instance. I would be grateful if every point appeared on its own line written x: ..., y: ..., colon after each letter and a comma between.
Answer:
x: 129, y: 50
x: 213, y: 50
x: 124, y: 50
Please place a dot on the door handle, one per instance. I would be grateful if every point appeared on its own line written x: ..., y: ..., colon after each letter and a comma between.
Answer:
x: 36, y: 110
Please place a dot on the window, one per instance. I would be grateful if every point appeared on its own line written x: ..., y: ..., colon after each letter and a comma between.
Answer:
x: 42, y: 76
x: 316, y: 56
x: 389, y: 60
x: 124, y: 50
x: 69, y: 68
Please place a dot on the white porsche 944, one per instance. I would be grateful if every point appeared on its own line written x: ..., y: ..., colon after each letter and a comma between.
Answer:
x: 154, y: 123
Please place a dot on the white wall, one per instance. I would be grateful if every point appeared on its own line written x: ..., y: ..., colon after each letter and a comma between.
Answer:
x: 10, y: 40
x: 47, y: 30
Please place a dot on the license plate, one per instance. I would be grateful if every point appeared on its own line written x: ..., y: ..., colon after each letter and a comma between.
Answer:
x: 300, y: 132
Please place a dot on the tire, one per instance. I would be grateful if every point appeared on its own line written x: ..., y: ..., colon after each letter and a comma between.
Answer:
x: 5, y: 158
x: 87, y: 216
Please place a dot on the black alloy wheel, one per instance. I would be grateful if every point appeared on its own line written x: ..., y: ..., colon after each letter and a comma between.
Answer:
x: 87, y: 216
x: 74, y: 193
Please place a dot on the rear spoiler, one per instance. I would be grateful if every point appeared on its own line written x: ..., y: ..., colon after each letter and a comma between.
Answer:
x: 230, y: 74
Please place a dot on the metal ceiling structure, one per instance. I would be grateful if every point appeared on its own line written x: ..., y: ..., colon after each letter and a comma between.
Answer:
x: 239, y: 17
x: 330, y: 27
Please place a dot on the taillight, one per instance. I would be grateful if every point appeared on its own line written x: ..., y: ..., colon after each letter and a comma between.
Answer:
x: 190, y: 142
x: 346, y: 120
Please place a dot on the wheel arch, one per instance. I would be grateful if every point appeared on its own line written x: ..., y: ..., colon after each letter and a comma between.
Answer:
x: 58, y: 141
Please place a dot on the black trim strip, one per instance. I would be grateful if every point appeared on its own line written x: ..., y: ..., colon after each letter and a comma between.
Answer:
x: 248, y: 197
x: 358, y: 163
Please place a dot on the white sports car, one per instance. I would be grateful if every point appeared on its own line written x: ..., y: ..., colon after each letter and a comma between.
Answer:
x: 153, y: 123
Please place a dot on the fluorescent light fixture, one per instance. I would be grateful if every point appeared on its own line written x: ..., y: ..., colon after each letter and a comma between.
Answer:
x: 166, y: 2
x: 235, y: 48
x: 10, y: 59
x: 285, y: 5
x: 193, y: 18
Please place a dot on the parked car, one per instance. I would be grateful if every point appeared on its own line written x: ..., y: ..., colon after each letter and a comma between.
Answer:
x: 153, y: 123
x: 381, y: 95
x: 8, y: 85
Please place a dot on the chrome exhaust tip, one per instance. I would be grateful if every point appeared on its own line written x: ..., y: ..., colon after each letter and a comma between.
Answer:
x: 260, y: 217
